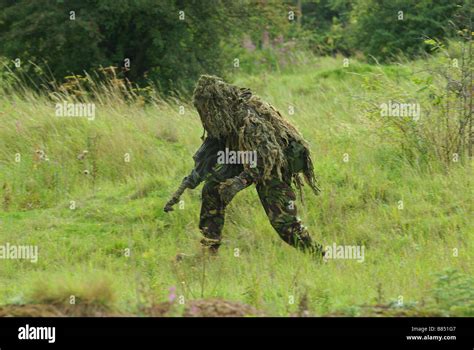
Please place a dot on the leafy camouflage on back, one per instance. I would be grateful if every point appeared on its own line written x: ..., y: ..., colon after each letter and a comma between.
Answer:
x: 250, y: 124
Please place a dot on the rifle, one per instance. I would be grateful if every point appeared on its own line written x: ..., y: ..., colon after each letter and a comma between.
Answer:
x: 204, y: 160
x: 176, y: 196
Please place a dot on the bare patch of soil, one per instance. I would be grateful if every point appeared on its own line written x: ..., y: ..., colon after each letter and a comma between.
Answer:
x: 197, y: 308
x: 45, y: 310
x: 203, y: 308
x: 194, y: 308
x: 381, y: 310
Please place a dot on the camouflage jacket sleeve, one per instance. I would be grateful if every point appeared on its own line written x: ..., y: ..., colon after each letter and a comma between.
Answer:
x: 250, y: 175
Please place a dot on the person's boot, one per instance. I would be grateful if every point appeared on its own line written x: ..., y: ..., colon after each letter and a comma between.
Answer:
x: 211, y: 245
x: 306, y: 244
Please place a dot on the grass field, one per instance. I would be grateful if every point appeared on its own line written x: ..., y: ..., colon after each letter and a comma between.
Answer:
x: 119, y: 254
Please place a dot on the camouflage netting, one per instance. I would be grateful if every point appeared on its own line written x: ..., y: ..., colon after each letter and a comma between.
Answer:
x: 249, y: 124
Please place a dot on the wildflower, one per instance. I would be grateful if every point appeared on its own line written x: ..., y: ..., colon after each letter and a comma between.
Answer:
x: 172, y: 295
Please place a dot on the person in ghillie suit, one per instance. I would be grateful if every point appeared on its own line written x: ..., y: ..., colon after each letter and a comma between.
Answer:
x: 236, y: 119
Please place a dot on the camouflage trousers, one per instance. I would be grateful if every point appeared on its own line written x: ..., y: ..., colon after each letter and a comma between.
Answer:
x: 278, y: 200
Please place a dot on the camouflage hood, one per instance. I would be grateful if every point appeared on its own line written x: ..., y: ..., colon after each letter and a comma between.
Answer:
x: 229, y: 112
x: 216, y: 101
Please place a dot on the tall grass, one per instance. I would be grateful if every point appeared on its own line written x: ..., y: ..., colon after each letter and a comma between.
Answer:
x: 84, y: 221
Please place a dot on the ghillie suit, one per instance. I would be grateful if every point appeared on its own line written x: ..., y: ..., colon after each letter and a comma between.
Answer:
x: 236, y: 119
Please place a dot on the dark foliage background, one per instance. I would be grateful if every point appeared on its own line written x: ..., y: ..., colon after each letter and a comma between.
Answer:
x: 171, y: 53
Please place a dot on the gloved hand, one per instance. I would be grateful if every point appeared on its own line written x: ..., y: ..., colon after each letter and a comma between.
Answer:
x: 229, y: 188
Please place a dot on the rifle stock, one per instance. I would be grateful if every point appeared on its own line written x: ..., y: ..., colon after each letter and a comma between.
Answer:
x: 204, y: 160
x: 177, y: 195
